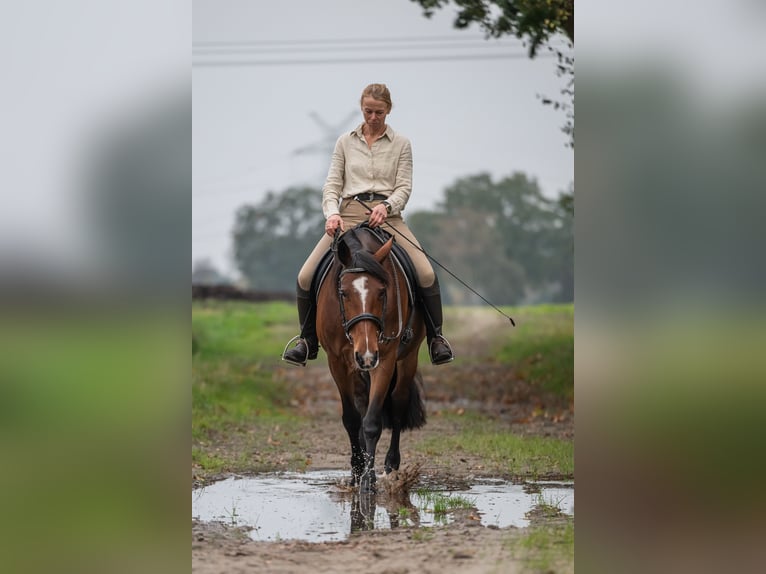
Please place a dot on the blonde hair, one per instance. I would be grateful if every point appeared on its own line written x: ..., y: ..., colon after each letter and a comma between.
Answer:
x: 378, y: 92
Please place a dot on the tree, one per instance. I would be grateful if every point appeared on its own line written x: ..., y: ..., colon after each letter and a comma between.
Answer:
x: 563, y: 241
x: 504, y: 238
x: 535, y: 22
x: 532, y: 20
x: 272, y: 239
x: 204, y: 272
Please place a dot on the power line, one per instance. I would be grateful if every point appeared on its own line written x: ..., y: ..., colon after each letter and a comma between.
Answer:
x: 381, y: 59
x: 320, y: 41
x: 363, y: 48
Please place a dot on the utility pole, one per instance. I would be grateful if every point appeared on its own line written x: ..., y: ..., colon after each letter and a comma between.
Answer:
x: 326, y: 144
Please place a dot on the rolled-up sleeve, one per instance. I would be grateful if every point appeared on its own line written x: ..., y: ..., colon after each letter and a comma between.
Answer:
x: 331, y: 192
x: 403, y: 180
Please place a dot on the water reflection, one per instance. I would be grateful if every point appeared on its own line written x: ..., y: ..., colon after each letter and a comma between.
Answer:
x: 316, y: 507
x: 363, y: 508
x: 399, y: 512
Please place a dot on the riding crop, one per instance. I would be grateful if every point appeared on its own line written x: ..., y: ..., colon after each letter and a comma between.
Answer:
x: 443, y: 267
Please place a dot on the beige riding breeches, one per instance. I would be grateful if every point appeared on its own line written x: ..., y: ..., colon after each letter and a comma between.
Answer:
x: 353, y: 213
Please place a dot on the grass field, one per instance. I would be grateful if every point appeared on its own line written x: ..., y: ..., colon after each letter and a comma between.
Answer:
x: 238, y: 397
x: 543, y: 347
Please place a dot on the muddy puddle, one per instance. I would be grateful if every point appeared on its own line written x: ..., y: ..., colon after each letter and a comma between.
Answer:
x: 316, y: 507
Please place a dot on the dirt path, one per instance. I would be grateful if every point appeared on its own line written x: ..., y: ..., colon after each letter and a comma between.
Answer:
x: 463, y: 546
x: 488, y: 390
x: 491, y: 391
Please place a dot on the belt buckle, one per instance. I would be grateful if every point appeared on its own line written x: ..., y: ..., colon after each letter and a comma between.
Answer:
x: 370, y: 196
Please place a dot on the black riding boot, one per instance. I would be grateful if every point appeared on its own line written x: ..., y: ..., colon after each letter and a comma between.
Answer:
x: 438, y: 347
x: 307, y: 347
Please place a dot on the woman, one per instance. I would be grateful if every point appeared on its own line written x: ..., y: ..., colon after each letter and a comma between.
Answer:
x: 375, y: 163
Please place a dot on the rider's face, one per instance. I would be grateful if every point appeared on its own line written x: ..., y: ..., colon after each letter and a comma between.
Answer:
x: 374, y: 112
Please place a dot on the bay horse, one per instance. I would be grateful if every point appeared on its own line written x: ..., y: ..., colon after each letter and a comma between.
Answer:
x: 371, y: 332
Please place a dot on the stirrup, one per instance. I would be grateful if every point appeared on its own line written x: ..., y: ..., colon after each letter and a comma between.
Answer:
x: 445, y: 361
x: 296, y: 363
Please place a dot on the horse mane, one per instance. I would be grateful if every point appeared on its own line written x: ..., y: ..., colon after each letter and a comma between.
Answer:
x: 361, y: 254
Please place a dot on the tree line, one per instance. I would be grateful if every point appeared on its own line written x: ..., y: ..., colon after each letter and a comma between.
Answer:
x: 504, y: 238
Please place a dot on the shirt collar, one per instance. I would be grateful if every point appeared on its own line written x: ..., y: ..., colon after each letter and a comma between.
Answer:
x: 357, y: 131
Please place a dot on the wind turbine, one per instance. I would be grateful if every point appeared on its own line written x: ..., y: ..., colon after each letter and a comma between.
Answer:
x: 326, y: 144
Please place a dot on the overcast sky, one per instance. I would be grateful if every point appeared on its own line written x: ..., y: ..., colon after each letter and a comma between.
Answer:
x: 464, y: 116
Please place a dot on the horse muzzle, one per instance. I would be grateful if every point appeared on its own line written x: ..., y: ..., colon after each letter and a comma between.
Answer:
x: 367, y: 361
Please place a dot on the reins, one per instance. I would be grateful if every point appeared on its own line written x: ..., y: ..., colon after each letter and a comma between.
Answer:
x: 423, y: 251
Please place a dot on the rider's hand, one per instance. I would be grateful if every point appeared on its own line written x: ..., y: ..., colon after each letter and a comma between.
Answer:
x: 377, y: 215
x: 332, y: 223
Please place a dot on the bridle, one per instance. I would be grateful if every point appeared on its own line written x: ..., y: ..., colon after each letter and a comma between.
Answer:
x: 347, y: 324
x: 380, y: 322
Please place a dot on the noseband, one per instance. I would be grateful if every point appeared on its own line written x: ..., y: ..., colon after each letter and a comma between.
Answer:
x: 347, y: 324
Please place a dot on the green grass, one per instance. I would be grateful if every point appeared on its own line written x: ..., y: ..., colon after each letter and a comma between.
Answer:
x: 547, y: 508
x: 520, y: 456
x: 547, y: 544
x: 542, y: 346
x: 254, y: 332
x: 230, y: 394
x: 439, y: 503
x: 546, y: 548
x: 236, y: 399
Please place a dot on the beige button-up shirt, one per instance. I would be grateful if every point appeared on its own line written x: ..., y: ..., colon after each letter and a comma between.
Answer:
x: 385, y: 168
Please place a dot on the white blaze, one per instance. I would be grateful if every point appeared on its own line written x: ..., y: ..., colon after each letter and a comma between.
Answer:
x: 360, y: 285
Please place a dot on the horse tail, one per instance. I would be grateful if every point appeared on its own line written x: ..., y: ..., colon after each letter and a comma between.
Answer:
x: 416, y: 413
x: 415, y: 417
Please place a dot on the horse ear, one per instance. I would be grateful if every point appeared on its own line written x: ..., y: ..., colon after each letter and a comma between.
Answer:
x: 344, y: 253
x: 383, y: 252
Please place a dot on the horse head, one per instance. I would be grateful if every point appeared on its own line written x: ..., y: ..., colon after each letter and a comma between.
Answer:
x: 363, y: 284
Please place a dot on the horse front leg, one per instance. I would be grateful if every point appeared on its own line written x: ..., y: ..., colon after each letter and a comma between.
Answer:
x: 372, y: 423
x: 352, y: 419
x: 352, y: 422
x: 372, y: 426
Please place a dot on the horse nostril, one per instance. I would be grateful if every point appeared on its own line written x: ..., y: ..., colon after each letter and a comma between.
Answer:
x: 366, y: 361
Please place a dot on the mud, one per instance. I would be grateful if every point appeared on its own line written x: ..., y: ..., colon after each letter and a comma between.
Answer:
x: 469, y: 542
x: 462, y: 546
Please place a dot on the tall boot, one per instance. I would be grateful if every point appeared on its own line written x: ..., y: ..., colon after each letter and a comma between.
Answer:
x: 438, y: 347
x: 307, y: 347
